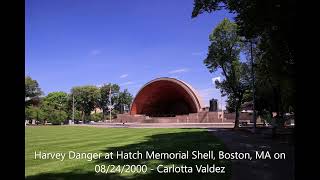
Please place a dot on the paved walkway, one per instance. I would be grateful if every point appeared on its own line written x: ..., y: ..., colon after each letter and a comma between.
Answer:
x: 160, y: 125
x: 240, y: 141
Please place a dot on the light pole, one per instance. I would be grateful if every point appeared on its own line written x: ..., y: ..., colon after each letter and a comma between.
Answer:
x: 60, y: 105
x: 110, y: 106
x: 72, y: 107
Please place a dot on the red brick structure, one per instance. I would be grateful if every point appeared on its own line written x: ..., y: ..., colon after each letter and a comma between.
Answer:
x: 200, y: 117
x: 166, y: 97
x: 164, y: 100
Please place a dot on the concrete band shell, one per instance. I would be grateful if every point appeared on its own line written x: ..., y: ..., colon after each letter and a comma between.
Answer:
x: 162, y: 87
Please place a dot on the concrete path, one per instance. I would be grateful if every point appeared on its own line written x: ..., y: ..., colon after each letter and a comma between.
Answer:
x: 240, y: 141
x: 160, y: 125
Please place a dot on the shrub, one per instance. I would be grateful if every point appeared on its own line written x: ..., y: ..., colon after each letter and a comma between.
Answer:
x: 36, y: 113
x: 96, y: 117
x: 56, y: 117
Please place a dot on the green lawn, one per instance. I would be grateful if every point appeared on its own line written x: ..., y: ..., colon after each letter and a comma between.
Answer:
x: 90, y: 139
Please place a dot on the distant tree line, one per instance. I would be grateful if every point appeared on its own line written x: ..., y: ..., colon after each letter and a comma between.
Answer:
x: 57, y: 107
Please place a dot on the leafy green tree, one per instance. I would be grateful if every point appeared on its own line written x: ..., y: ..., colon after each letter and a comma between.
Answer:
x: 231, y: 101
x: 105, y: 93
x: 35, y: 113
x: 96, y: 117
x: 278, y: 77
x: 57, y: 100
x: 32, y: 92
x: 28, y: 113
x: 255, y: 18
x: 77, y: 113
x: 32, y: 88
x: 86, y: 99
x: 224, y: 53
x: 124, y: 99
x: 57, y: 117
x: 271, y: 24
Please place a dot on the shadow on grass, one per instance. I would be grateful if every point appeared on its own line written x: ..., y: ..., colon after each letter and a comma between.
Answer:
x: 171, y: 142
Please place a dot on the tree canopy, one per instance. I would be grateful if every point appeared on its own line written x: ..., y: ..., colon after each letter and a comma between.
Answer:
x: 32, y: 92
x: 105, y: 93
x: 86, y: 98
x: 124, y: 100
x: 32, y: 88
x: 269, y: 26
x: 224, y: 53
x: 57, y: 100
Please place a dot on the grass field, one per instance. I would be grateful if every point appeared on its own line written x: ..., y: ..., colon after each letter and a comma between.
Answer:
x: 90, y: 139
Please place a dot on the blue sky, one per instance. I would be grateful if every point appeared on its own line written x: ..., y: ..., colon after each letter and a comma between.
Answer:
x: 73, y: 43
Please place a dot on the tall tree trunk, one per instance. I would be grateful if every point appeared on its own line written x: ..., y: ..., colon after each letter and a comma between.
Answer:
x: 82, y: 116
x: 238, y: 105
x: 276, y: 100
x: 236, y: 122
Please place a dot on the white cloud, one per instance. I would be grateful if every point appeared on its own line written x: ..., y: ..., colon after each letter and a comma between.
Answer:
x: 124, y: 75
x: 216, y: 79
x: 182, y: 70
x: 95, y: 52
x: 126, y: 83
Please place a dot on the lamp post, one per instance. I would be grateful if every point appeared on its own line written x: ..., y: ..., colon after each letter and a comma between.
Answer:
x: 60, y: 105
x: 110, y: 106
x: 72, y: 107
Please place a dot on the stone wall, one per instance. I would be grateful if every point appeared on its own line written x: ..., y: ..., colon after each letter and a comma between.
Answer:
x: 126, y: 118
x: 200, y: 117
x: 243, y: 116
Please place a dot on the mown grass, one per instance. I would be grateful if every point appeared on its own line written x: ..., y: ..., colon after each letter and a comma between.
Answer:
x: 90, y: 139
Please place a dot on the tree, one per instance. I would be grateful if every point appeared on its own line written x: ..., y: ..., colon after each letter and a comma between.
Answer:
x: 124, y: 99
x: 86, y: 99
x: 96, y: 117
x: 56, y: 117
x: 275, y: 19
x: 32, y: 88
x: 57, y: 100
x: 35, y: 113
x: 28, y: 113
x: 105, y: 93
x: 231, y: 101
x: 32, y: 91
x: 272, y: 22
x: 224, y: 53
x: 278, y: 76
